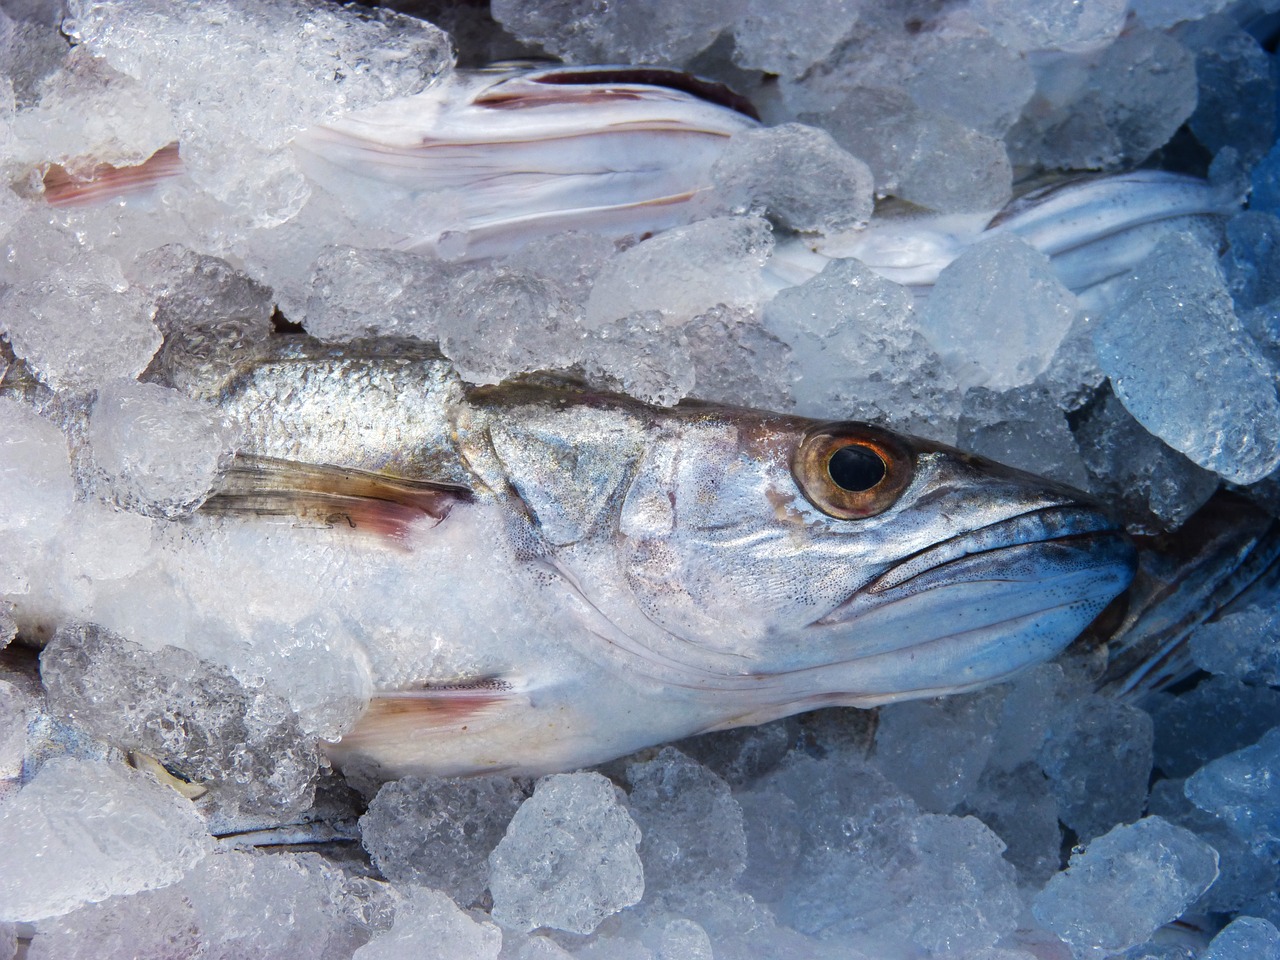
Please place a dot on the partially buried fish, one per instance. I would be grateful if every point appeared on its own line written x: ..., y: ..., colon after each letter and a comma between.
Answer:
x: 658, y: 571
x: 543, y: 576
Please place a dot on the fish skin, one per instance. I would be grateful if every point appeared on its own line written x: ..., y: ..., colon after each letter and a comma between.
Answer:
x: 667, y: 573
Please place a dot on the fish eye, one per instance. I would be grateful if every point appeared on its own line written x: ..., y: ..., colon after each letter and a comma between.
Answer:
x: 851, y: 471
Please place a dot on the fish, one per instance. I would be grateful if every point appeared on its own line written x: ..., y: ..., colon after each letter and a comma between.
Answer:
x: 634, y: 574
x: 487, y: 160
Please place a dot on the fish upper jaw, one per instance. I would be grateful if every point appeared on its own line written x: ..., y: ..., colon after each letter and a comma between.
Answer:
x: 977, y: 607
x: 1085, y: 527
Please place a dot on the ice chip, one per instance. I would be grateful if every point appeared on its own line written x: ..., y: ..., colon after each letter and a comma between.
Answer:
x: 856, y: 349
x: 923, y: 157
x: 80, y: 832
x: 1240, y: 788
x: 797, y: 174
x: 1220, y: 715
x: 568, y: 859
x: 1108, y: 107
x: 1126, y: 884
x: 1156, y: 487
x: 691, y: 827
x: 1245, y: 938
x: 160, y: 451
x: 998, y: 313
x: 684, y: 272
x: 81, y: 325
x: 1245, y: 644
x: 1181, y: 364
x: 35, y: 477
x: 1236, y: 102
x: 1023, y: 428
x: 245, y: 745
x: 936, y: 750
x: 429, y: 924
x: 774, y: 39
x: 1098, y: 760
x: 580, y: 31
x: 1061, y: 25
x: 439, y: 833
x: 150, y: 925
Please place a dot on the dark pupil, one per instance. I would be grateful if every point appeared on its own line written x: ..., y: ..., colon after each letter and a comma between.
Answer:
x: 855, y: 468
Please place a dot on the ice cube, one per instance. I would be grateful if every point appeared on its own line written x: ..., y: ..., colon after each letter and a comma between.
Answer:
x: 150, y: 925
x: 568, y: 859
x: 926, y: 158
x: 1156, y: 486
x: 1252, y: 262
x: 737, y: 361
x: 191, y: 715
x: 684, y: 272
x: 1240, y: 788
x: 858, y: 354
x: 691, y: 828
x: 1106, y: 108
x: 1245, y: 938
x: 998, y: 313
x: 160, y: 451
x: 35, y: 478
x: 1098, y: 760
x: 936, y: 750
x: 83, y: 323
x: 1245, y: 645
x: 775, y: 40
x: 943, y: 80
x: 271, y: 905
x: 358, y: 292
x: 797, y: 174
x: 584, y: 32
x: 1181, y: 364
x: 429, y: 924
x: 1220, y: 715
x: 1126, y: 884
x: 906, y: 880
x: 14, y: 706
x: 81, y: 831
x: 1061, y: 25
x: 1242, y: 872
x: 1019, y: 807
x: 1024, y: 428
x: 439, y: 833
x: 1159, y: 14
x: 90, y: 114
x: 1236, y: 102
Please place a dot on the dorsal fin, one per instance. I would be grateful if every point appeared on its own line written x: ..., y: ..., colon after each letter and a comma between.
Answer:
x: 326, y: 495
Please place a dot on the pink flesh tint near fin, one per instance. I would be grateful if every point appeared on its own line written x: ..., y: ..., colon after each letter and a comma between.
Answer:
x: 106, y: 182
x: 397, y: 723
x: 329, y: 496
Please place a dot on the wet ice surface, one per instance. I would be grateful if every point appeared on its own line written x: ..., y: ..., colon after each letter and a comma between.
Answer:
x: 941, y: 832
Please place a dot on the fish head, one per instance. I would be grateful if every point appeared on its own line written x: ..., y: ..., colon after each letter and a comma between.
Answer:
x: 844, y: 563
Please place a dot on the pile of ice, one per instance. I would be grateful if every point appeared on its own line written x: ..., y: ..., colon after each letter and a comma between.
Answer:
x: 1038, y: 819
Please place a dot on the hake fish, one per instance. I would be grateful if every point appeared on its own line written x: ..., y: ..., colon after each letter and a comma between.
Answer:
x: 632, y: 574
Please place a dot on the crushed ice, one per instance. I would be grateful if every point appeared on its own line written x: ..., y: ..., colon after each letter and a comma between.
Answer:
x: 1033, y: 820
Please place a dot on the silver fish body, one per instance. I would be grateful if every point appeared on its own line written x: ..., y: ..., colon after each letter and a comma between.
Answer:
x: 656, y: 572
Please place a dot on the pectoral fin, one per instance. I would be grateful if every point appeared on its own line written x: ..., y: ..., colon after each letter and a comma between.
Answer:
x: 329, y: 496
x: 429, y: 729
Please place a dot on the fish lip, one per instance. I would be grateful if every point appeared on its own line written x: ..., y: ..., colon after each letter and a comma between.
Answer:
x: 1092, y: 532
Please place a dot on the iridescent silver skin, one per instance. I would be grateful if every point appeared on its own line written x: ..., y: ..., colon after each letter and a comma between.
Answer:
x: 666, y: 571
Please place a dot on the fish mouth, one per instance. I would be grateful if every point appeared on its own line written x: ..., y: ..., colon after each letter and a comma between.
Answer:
x: 981, y: 605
